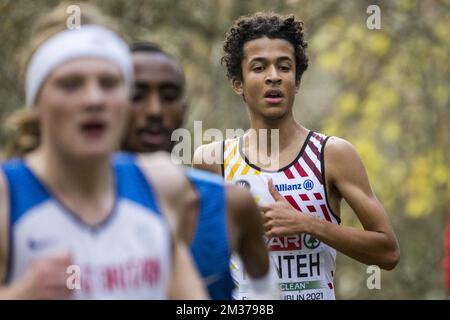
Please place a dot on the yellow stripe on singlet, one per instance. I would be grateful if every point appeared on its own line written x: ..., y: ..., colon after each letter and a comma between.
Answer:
x: 234, y: 169
x: 245, y: 171
x: 228, y: 143
x: 230, y: 156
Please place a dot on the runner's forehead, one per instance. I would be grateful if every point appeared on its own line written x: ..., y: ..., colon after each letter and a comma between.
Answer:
x: 265, y: 48
x: 157, y: 68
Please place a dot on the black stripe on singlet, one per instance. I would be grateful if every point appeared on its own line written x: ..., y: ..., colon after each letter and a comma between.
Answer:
x: 322, y: 165
x: 241, y: 141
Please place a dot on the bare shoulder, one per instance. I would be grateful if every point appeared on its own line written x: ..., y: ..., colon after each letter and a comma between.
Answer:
x: 175, y: 194
x: 155, y: 159
x: 209, y: 157
x: 339, y: 149
x: 163, y: 173
x: 341, y: 157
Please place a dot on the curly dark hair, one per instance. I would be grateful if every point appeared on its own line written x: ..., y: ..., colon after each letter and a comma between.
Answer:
x: 270, y: 25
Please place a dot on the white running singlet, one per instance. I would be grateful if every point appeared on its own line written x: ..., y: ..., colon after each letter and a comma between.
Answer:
x: 127, y: 256
x: 305, y: 266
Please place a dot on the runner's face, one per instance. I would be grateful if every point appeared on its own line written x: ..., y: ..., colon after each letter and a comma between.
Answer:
x: 268, y: 71
x: 83, y: 108
x: 159, y: 102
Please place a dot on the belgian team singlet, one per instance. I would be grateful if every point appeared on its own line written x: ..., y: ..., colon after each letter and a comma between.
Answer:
x: 305, y: 266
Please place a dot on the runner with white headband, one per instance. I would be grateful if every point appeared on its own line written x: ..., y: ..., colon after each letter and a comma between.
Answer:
x: 76, y: 221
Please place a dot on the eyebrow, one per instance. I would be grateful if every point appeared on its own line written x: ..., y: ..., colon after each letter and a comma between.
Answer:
x: 263, y: 59
x: 81, y: 75
x: 163, y: 85
x: 175, y: 85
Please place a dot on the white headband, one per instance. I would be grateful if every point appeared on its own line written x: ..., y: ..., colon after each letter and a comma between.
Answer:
x: 89, y: 41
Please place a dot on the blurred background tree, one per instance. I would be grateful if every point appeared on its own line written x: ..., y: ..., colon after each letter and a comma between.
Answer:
x: 387, y: 91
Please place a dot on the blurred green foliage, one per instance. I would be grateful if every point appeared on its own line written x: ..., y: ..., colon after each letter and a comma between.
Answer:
x: 387, y: 91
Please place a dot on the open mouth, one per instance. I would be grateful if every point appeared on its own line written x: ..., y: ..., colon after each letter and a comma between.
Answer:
x: 93, y: 129
x: 153, y: 136
x: 273, y: 96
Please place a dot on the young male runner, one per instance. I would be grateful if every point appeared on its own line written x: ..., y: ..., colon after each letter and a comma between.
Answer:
x: 222, y: 219
x: 300, y: 198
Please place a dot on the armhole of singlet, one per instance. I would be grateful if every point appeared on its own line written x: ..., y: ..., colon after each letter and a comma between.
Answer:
x: 322, y: 164
x: 222, y: 165
x: 8, y: 256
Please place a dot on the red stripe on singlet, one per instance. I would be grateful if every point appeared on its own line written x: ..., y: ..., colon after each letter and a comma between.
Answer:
x: 289, y: 174
x: 291, y: 200
x: 318, y: 138
x: 312, y: 167
x: 304, y: 197
x: 325, y: 212
x: 314, y: 149
x: 300, y: 170
x: 318, y: 196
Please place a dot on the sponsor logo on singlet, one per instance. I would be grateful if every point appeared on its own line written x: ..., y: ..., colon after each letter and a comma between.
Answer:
x: 243, y: 183
x: 288, y: 243
x: 308, y: 184
x: 39, y: 244
x: 288, y: 187
x: 310, y: 242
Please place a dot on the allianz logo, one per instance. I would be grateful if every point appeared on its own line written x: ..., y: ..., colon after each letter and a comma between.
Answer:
x: 307, y: 185
x: 288, y: 187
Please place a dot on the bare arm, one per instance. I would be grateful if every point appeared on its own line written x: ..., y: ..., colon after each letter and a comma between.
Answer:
x: 176, y: 197
x: 244, y: 219
x: 185, y: 281
x: 246, y: 231
x: 376, y: 244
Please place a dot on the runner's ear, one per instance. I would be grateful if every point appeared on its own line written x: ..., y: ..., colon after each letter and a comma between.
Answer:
x: 238, y: 86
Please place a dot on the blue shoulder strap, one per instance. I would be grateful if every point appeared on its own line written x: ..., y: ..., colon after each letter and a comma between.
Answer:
x: 25, y: 191
x: 132, y: 183
x: 210, y: 245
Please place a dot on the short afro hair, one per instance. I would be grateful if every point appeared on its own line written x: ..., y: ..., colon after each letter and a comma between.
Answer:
x: 270, y: 25
x: 153, y: 48
x: 146, y: 46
